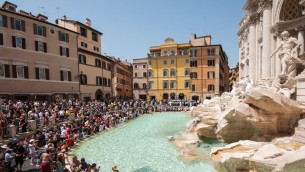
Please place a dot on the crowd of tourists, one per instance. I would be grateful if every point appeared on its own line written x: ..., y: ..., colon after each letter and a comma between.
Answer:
x: 75, y: 120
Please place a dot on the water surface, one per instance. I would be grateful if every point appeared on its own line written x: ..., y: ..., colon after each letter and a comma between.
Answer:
x: 141, y: 145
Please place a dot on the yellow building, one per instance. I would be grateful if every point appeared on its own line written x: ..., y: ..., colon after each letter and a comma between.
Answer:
x: 190, y: 71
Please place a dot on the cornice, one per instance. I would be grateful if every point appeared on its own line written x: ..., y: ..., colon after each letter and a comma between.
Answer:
x: 288, y: 25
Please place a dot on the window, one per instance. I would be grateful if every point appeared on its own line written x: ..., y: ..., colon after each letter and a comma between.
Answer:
x: 97, y: 62
x: 172, y: 72
x: 42, y: 73
x: 193, y: 52
x: 150, y: 85
x: 98, y: 80
x: 211, y: 87
x: 187, y: 72
x: 39, y: 30
x: 211, y: 74
x: 18, y: 42
x: 172, y: 84
x: 136, y: 86
x: 40, y: 46
x: 193, y: 75
x: 144, y: 74
x: 1, y: 39
x: 211, y: 62
x: 83, y: 32
x: 187, y: 84
x: 83, y: 79
x: 94, y: 37
x: 1, y: 21
x: 150, y: 74
x: 180, y: 52
x: 84, y: 44
x: 52, y: 31
x: 108, y: 66
x: 136, y: 74
x: 186, y: 52
x: 66, y: 75
x: 17, y: 24
x: 82, y: 59
x: 95, y: 48
x: 165, y: 62
x: 63, y: 36
x: 135, y: 66
x: 144, y: 85
x: 194, y: 63
x: 144, y: 66
x: 165, y: 72
x: 193, y: 87
x: 211, y: 52
x: 172, y: 52
x: 109, y: 82
x: 187, y: 61
x: 165, y: 84
x: 103, y: 64
x: 4, y: 71
x: 172, y: 61
x: 64, y: 51
x: 20, y: 71
x: 165, y: 53
x: 149, y: 63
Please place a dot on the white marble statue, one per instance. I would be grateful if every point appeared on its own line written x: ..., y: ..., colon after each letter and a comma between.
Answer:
x: 288, y: 53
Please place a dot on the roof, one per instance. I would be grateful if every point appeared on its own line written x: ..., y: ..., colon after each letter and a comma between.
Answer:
x: 33, y: 18
x: 77, y: 22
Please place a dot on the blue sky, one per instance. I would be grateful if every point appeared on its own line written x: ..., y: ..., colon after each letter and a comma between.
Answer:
x: 130, y: 27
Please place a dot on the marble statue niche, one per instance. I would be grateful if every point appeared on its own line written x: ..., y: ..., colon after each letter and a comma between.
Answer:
x: 288, y: 52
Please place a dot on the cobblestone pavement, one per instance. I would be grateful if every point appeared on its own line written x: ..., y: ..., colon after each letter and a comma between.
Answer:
x: 27, y: 167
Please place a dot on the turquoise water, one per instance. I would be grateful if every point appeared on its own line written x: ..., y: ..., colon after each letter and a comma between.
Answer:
x: 141, y: 145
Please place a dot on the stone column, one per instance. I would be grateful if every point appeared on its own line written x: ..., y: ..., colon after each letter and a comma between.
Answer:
x: 301, y: 39
x: 266, y: 66
x: 278, y: 65
x: 252, y: 51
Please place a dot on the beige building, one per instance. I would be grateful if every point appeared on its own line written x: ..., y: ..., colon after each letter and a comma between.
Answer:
x: 38, y: 59
x: 94, y: 68
x: 122, y: 79
x: 140, y: 78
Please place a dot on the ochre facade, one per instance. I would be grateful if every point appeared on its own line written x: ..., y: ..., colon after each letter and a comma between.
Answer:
x: 190, y: 71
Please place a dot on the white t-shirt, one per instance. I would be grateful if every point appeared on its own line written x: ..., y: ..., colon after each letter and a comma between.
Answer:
x: 32, y: 149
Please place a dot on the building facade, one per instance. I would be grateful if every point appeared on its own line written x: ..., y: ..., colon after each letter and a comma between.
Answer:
x: 122, y: 79
x: 233, y: 76
x: 196, y: 70
x: 260, y: 34
x: 94, y: 68
x: 32, y: 65
x: 140, y: 78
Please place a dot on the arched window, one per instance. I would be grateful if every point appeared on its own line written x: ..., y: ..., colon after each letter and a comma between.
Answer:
x: 291, y: 10
x: 211, y: 87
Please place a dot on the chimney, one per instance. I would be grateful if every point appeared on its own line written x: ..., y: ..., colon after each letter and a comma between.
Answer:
x: 64, y: 17
x: 193, y: 36
x: 88, y: 22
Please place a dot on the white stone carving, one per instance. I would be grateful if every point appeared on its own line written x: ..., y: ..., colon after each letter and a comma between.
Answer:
x: 288, y: 53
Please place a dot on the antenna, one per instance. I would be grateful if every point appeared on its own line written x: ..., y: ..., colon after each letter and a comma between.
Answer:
x: 204, y: 25
x: 44, y: 10
x: 58, y: 9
